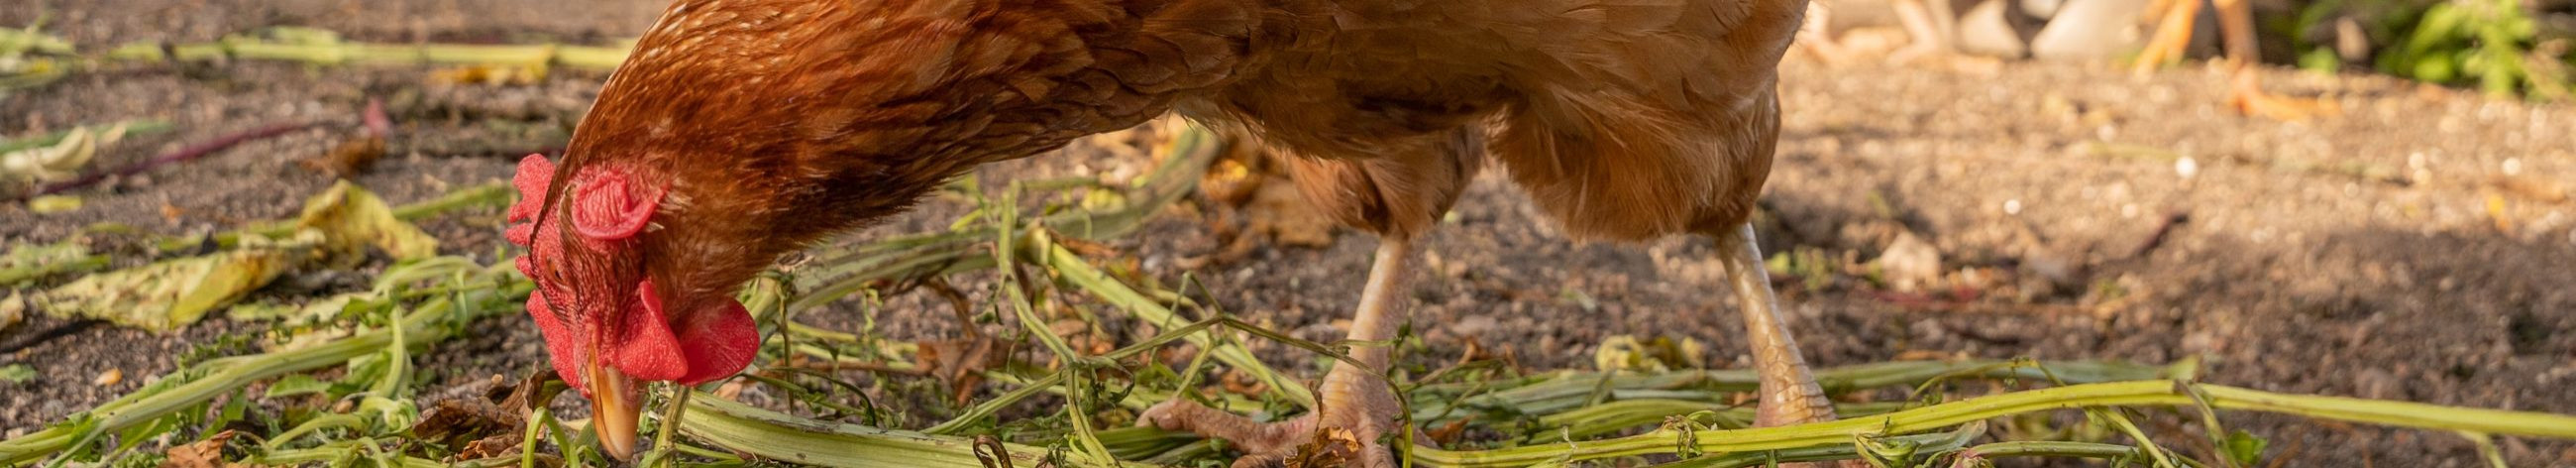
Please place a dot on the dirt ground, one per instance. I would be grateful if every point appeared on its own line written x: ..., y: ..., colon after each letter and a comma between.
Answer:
x: 2417, y: 247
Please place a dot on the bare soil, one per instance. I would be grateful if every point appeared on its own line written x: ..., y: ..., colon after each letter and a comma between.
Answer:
x: 2416, y: 247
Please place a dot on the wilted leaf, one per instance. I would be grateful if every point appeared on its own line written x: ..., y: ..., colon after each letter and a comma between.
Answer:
x: 1332, y: 447
x: 317, y: 309
x: 171, y: 294
x: 14, y: 41
x: 960, y: 363
x: 352, y: 157
x: 63, y: 159
x: 207, y: 453
x: 1624, y: 352
x: 352, y: 219
x: 11, y: 315
x: 492, y: 424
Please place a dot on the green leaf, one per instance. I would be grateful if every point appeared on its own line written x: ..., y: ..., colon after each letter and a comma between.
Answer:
x: 2321, y: 60
x: 17, y: 374
x: 51, y: 204
x: 2245, y: 448
x: 2437, y: 70
x: 296, y: 385
x: 27, y: 263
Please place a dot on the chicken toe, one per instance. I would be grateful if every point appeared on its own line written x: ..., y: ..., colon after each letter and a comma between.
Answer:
x: 1356, y: 418
x: 2249, y: 98
x: 1353, y: 428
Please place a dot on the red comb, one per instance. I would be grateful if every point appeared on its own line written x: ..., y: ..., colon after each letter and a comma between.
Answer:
x: 531, y: 179
x: 535, y: 172
x: 609, y: 205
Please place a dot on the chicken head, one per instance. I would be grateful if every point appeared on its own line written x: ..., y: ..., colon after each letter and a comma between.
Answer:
x: 607, y: 327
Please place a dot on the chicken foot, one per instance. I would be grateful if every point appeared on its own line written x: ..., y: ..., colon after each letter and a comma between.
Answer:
x: 2236, y: 30
x: 1357, y: 408
x: 1929, y: 26
x: 1933, y: 27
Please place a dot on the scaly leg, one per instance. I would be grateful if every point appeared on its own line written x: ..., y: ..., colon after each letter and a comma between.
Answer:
x: 1355, y: 398
x: 2236, y: 27
x: 2172, y: 35
x: 1933, y: 27
x: 1789, y: 391
x: 1816, y: 36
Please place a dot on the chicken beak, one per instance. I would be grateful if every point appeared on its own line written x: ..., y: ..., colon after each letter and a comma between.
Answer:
x: 615, y: 404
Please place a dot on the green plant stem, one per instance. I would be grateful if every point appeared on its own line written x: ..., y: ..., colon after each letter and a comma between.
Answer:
x: 421, y: 327
x: 132, y: 128
x: 538, y: 418
x: 1932, y: 442
x: 777, y: 436
x: 2054, y: 449
x: 665, y: 439
x: 2128, y: 394
x: 1073, y: 269
x: 85, y: 263
x: 1546, y: 393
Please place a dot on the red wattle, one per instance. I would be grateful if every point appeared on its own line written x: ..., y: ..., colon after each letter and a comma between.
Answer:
x: 722, y: 341
x: 649, y: 352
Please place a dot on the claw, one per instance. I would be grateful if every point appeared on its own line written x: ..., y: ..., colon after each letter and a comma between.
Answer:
x: 2250, y: 99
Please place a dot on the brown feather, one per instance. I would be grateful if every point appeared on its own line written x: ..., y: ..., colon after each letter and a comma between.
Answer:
x: 774, y: 123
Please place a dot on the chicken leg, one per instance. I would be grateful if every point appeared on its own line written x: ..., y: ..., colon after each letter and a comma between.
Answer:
x: 2236, y: 29
x: 1929, y: 27
x: 1355, y: 398
x: 1931, y: 24
x: 1789, y: 392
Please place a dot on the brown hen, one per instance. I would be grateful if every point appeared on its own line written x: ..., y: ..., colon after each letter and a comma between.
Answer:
x: 743, y: 129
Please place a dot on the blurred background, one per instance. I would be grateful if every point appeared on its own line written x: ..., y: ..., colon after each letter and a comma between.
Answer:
x: 2400, y: 227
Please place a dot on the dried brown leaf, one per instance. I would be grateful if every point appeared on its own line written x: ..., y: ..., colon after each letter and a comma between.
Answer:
x: 960, y: 363
x: 207, y: 453
x: 490, y: 425
x: 1333, y: 447
x: 352, y: 157
x: 1239, y: 382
